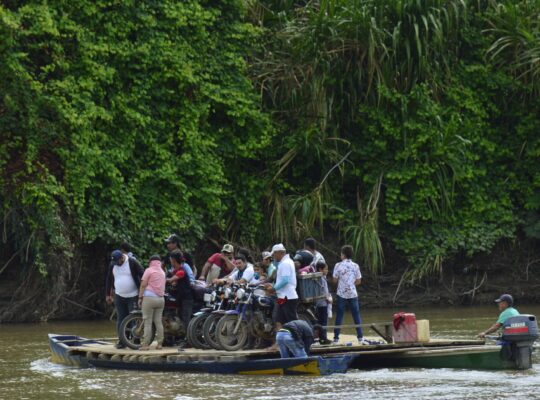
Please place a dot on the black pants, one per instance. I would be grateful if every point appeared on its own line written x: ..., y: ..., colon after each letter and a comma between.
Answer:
x: 322, y: 319
x: 123, y: 305
x: 186, y: 310
x: 286, y: 312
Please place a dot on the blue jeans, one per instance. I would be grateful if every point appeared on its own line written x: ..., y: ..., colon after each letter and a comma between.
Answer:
x: 322, y: 319
x: 289, y: 346
x: 354, y: 305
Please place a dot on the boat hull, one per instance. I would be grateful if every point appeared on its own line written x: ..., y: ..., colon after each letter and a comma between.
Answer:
x: 65, y: 349
x: 480, y: 358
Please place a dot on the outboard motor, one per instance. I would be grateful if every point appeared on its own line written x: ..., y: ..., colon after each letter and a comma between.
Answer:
x: 519, y: 334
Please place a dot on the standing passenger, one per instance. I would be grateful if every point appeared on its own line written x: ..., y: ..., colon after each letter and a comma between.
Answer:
x: 347, y: 275
x: 184, y: 294
x: 323, y: 304
x: 269, y: 265
x: 173, y: 243
x: 310, y: 245
x: 124, y: 278
x: 285, y: 287
x: 152, y: 302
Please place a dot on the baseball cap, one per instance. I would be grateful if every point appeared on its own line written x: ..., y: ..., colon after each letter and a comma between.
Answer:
x: 173, y: 238
x: 266, y: 254
x: 505, y: 297
x: 227, y: 248
x: 116, y: 255
x: 277, y: 247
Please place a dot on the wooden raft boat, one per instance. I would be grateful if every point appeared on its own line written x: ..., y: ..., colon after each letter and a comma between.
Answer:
x: 77, y: 351
x: 469, y: 354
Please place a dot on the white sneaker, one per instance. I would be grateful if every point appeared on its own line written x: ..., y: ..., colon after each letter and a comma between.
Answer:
x: 335, y: 341
x: 363, y: 341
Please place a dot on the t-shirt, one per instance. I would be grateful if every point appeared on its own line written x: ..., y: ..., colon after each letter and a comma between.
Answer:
x: 323, y: 283
x: 347, y: 272
x: 155, y: 277
x: 216, y: 259
x: 509, y: 312
x: 316, y: 258
x: 247, y: 274
x: 124, y: 285
x: 286, y: 269
x: 189, y: 272
x: 271, y: 271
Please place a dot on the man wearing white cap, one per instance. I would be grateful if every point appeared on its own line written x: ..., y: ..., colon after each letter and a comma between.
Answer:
x: 285, y: 287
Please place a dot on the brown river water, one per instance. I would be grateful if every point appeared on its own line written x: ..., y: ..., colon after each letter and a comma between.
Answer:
x: 27, y: 373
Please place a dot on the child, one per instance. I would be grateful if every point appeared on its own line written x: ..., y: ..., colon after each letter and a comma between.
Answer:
x: 323, y: 304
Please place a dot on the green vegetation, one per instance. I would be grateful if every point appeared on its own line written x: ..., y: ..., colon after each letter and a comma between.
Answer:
x: 410, y: 125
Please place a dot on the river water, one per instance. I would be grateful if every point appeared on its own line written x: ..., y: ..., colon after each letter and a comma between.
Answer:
x: 27, y: 373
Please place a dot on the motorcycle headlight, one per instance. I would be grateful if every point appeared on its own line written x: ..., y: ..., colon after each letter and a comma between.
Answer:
x: 240, y: 293
x: 227, y: 293
x: 213, y: 295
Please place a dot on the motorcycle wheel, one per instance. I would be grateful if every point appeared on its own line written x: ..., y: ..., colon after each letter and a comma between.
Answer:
x: 306, y: 317
x: 227, y: 339
x: 195, y: 332
x: 209, y: 331
x: 132, y: 331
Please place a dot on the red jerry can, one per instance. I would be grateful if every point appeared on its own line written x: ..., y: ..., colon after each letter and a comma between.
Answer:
x: 404, y: 328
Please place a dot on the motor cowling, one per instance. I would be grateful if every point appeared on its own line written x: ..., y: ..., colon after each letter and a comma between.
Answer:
x: 519, y: 334
x: 521, y: 328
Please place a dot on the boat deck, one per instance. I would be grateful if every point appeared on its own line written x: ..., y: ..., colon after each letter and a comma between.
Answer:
x: 107, y: 350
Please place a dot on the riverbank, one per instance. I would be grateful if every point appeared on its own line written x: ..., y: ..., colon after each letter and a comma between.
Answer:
x: 26, y: 296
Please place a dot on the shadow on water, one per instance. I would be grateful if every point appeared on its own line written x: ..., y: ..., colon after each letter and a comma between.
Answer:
x: 27, y: 373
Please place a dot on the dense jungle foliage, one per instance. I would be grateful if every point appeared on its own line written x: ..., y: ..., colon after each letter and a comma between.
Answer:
x: 409, y: 128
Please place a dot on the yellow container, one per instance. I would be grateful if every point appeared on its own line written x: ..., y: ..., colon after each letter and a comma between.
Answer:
x: 422, y: 330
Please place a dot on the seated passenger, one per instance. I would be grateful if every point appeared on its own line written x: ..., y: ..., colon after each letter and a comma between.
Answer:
x: 506, y: 307
x: 259, y: 276
x: 242, y: 274
x: 218, y: 265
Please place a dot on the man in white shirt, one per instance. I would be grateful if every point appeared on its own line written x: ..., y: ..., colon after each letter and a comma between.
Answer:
x: 242, y: 273
x: 124, y: 277
x: 285, y: 287
x: 347, y: 275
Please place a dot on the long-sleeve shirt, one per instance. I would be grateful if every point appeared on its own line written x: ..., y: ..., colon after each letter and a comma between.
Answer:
x: 301, y: 331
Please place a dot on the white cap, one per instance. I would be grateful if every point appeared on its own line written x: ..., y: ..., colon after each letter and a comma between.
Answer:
x: 277, y: 247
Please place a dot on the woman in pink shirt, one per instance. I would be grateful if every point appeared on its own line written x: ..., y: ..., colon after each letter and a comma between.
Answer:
x: 151, y: 301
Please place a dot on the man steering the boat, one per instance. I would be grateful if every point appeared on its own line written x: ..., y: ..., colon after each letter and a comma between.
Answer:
x: 505, y: 303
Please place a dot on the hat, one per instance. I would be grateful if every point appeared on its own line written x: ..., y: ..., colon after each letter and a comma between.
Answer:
x: 116, y: 255
x: 505, y: 297
x: 173, y: 238
x: 227, y: 248
x: 277, y: 247
x: 266, y: 254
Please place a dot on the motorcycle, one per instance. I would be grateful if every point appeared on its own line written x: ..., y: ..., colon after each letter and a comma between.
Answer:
x: 210, y: 324
x: 132, y: 327
x: 251, y: 321
x: 215, y: 300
